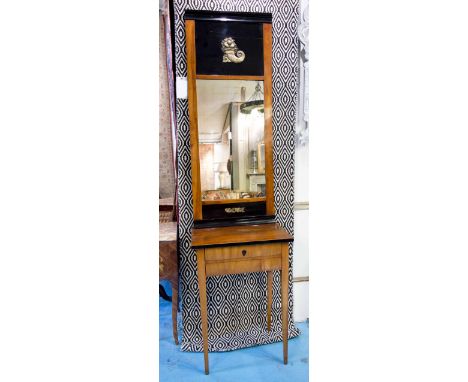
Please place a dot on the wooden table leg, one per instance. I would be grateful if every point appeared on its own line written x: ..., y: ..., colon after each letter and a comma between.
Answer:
x: 269, y: 297
x: 174, y: 313
x: 203, y: 304
x: 284, y: 298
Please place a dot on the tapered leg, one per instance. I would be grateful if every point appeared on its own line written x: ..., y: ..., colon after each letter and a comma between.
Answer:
x: 284, y: 298
x: 174, y: 313
x: 269, y: 297
x: 203, y: 305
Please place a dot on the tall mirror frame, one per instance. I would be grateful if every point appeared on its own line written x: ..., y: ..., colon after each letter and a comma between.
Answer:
x: 237, y: 210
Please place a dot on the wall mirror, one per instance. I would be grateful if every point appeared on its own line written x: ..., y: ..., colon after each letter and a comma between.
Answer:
x: 231, y: 140
x: 229, y: 94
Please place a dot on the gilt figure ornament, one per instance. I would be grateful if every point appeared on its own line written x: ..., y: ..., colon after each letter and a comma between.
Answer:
x: 231, y: 51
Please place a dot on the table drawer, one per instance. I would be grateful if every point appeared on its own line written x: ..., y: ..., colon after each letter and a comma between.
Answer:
x: 239, y: 252
x: 259, y: 264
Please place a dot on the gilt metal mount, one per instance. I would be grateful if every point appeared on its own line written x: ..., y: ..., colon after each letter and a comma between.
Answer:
x: 231, y: 51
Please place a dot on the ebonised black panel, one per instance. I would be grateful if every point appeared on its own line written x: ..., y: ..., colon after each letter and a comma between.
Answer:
x: 235, y: 210
x: 248, y: 17
x: 266, y: 219
x: 248, y: 37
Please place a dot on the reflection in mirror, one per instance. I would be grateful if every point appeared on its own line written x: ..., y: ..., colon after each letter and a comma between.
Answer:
x: 231, y: 139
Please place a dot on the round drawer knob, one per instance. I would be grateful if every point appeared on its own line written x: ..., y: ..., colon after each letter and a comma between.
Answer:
x: 244, y: 252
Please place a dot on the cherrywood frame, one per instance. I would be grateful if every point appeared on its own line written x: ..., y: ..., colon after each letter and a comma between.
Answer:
x: 267, y: 101
x: 193, y: 118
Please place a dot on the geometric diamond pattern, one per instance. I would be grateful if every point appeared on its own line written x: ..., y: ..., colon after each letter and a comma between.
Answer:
x: 237, y: 303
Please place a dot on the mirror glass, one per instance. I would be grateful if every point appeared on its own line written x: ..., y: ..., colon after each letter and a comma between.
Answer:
x: 231, y: 139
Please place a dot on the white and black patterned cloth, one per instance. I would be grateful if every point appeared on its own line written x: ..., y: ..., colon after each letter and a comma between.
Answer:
x: 237, y: 303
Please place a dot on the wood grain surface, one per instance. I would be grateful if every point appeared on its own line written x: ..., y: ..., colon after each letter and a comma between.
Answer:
x: 219, y: 236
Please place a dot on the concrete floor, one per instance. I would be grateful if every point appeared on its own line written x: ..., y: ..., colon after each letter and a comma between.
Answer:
x: 259, y: 363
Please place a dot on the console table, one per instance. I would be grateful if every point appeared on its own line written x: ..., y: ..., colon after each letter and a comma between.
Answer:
x: 242, y: 249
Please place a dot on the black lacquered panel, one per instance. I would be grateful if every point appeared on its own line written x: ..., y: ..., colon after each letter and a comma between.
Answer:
x: 236, y: 210
x: 248, y: 17
x: 248, y: 37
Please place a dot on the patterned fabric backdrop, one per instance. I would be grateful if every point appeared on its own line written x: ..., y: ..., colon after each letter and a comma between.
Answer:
x: 237, y: 303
